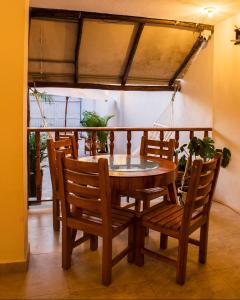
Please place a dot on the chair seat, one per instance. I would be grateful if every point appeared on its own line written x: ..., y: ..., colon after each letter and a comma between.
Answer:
x: 168, y: 216
x: 168, y: 219
x: 120, y: 219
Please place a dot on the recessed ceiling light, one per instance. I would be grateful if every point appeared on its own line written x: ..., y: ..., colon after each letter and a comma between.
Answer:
x: 210, y: 11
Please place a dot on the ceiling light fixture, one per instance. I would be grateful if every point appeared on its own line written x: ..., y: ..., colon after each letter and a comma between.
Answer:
x: 210, y: 11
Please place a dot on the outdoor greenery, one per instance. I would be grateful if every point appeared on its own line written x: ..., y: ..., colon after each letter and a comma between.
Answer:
x: 32, y: 151
x: 92, y: 119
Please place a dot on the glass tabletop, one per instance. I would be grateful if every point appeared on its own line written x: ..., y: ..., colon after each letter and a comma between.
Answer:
x: 131, y: 164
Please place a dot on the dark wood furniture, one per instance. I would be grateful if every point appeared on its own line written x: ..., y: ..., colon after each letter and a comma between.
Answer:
x: 154, y: 149
x: 125, y: 183
x: 68, y: 146
x: 180, y: 222
x: 86, y: 185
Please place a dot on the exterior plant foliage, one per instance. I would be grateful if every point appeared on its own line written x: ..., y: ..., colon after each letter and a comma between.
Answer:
x: 32, y: 151
x: 92, y: 119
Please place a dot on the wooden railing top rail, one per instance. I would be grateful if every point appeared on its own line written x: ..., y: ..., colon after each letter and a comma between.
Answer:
x: 49, y: 129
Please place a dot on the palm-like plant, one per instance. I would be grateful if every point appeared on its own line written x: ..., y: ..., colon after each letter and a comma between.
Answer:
x: 92, y: 119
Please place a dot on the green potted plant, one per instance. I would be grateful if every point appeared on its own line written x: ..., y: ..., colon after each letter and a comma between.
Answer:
x: 196, y: 148
x: 32, y: 161
x: 92, y: 119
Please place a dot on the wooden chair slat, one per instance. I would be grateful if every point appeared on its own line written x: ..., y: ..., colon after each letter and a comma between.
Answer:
x: 158, y: 143
x: 85, y: 167
x: 85, y: 203
x: 159, y: 152
x: 201, y: 201
x: 62, y: 143
x: 83, y: 191
x: 204, y: 190
x: 208, y: 166
x: 82, y: 178
x: 206, y: 178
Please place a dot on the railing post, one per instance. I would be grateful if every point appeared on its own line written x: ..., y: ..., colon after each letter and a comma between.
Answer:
x: 191, y: 134
x: 111, y: 142
x: 161, y: 134
x: 56, y: 135
x: 129, y: 144
x: 38, y: 178
x: 205, y: 133
x: 145, y: 133
x: 76, y: 137
x: 94, y: 146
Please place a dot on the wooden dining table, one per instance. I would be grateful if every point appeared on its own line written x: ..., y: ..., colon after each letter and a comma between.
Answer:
x: 129, y: 173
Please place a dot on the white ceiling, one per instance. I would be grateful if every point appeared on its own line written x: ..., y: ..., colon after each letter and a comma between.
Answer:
x: 182, y: 10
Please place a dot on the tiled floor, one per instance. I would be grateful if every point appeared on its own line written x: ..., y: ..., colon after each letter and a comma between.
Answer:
x: 218, y: 279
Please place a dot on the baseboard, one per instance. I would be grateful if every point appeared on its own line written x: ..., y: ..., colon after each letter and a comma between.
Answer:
x: 13, y: 267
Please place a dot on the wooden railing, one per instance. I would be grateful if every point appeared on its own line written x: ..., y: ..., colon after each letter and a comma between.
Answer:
x: 55, y: 132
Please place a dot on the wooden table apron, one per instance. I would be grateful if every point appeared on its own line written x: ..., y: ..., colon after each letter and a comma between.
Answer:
x: 126, y: 183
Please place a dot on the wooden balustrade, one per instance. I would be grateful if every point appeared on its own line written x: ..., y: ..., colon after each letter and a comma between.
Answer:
x: 112, y: 132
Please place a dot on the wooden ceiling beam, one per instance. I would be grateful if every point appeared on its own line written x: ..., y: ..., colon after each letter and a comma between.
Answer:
x: 73, y: 16
x: 100, y: 86
x: 78, y: 43
x: 187, y: 59
x: 132, y: 52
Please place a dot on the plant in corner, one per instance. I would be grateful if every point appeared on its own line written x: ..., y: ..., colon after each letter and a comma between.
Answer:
x: 197, y: 148
x: 32, y: 157
x: 92, y: 119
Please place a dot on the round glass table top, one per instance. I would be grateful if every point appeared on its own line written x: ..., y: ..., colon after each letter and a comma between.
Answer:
x: 131, y: 164
x: 125, y: 163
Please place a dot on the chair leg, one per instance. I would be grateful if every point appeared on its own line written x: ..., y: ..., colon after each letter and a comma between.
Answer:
x: 203, y: 243
x: 139, y: 243
x: 163, y: 241
x: 94, y: 242
x: 66, y: 246
x: 106, y: 262
x: 56, y: 214
x: 182, y: 260
x: 131, y: 243
x: 146, y: 205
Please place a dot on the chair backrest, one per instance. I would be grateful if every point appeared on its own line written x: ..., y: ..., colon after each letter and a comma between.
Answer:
x: 69, y: 148
x: 157, y: 148
x: 86, y: 186
x: 202, y: 185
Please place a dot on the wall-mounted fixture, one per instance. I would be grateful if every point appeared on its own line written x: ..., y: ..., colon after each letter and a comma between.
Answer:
x: 210, y: 11
x: 237, y: 40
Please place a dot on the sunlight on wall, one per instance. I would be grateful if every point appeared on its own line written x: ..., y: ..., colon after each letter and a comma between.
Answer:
x: 226, y: 107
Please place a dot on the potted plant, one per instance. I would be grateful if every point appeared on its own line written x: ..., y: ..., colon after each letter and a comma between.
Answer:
x: 92, y: 119
x: 32, y: 161
x: 196, y: 148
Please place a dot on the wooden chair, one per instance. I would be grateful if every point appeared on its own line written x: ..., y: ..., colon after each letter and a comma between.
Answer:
x: 180, y: 222
x: 154, y: 149
x: 69, y: 147
x: 87, y: 186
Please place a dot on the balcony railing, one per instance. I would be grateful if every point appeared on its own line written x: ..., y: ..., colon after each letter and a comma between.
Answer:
x: 55, y: 133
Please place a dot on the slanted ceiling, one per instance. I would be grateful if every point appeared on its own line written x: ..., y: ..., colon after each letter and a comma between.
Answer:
x: 92, y: 50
